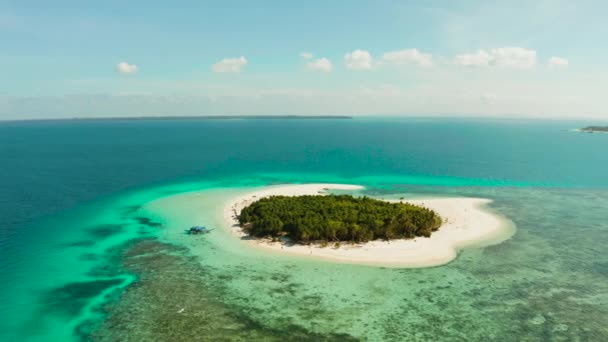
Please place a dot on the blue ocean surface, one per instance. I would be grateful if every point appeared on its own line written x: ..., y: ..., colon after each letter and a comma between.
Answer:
x: 83, y: 258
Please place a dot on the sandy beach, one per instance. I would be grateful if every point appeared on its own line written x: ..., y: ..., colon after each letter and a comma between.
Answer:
x: 467, y: 223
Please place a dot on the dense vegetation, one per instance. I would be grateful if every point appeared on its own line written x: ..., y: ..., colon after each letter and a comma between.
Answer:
x: 336, y: 218
x: 591, y: 129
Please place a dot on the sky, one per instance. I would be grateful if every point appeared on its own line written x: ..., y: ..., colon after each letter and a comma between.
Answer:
x: 539, y: 59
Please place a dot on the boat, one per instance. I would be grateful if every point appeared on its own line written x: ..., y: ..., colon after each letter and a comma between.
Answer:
x: 198, y: 230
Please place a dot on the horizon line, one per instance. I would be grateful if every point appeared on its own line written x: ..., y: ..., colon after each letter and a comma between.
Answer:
x: 301, y: 117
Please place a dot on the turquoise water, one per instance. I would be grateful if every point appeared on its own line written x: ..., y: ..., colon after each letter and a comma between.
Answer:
x: 91, y: 245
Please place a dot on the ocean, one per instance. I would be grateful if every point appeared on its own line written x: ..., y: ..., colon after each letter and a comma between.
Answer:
x: 92, y: 245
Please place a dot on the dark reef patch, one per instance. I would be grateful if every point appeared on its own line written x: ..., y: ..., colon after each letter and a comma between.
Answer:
x: 130, y: 209
x: 104, y: 231
x: 89, y: 257
x: 111, y: 266
x: 82, y: 243
x: 71, y: 298
x: 147, y: 222
x: 600, y: 268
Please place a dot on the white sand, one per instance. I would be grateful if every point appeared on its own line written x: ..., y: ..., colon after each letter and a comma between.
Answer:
x: 466, y: 223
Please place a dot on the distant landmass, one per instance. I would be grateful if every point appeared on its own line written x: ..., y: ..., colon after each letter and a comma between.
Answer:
x: 594, y: 129
x: 203, y: 117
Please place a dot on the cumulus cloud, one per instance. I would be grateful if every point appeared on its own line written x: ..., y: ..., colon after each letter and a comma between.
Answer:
x: 229, y: 65
x: 507, y: 57
x: 514, y: 57
x: 479, y: 58
x: 126, y: 68
x: 359, y: 60
x: 321, y: 64
x: 408, y: 56
x: 558, y: 62
x: 306, y: 55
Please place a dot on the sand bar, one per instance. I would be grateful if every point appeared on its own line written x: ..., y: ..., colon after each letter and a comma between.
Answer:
x: 467, y: 223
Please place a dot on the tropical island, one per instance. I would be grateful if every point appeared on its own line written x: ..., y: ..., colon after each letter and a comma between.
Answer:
x: 336, y: 218
x: 594, y: 129
x: 384, y: 232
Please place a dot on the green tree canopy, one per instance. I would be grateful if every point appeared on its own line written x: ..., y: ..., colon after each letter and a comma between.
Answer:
x: 336, y: 218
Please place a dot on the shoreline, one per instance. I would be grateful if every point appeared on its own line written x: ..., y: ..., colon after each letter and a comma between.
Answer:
x: 467, y: 223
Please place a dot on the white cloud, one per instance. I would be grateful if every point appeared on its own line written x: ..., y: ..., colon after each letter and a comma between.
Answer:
x: 229, y: 65
x: 507, y: 57
x: 479, y: 58
x: 514, y: 57
x: 126, y: 68
x: 359, y: 60
x: 558, y: 62
x: 408, y: 56
x: 306, y: 55
x: 321, y: 64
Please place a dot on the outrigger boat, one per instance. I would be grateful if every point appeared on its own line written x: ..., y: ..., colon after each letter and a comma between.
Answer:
x: 198, y: 230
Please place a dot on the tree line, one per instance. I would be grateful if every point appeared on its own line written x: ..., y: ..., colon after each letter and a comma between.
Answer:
x: 336, y: 218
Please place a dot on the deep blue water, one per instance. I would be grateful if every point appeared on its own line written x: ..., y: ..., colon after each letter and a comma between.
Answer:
x: 51, y: 168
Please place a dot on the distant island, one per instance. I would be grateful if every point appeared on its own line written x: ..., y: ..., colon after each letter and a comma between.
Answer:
x: 594, y: 129
x: 200, y: 117
x: 336, y: 218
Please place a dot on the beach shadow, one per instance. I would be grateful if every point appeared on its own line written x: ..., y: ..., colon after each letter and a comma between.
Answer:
x: 282, y: 241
